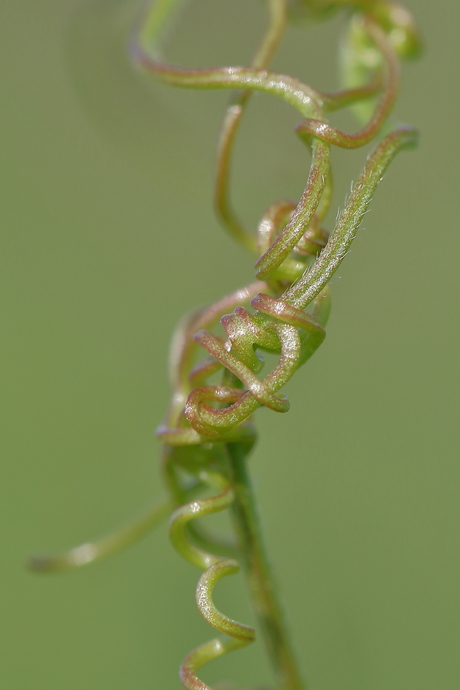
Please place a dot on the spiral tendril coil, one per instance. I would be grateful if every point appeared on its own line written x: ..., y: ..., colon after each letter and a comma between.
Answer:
x: 234, y: 634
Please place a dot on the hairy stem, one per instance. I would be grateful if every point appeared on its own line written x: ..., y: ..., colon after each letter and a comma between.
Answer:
x: 259, y: 573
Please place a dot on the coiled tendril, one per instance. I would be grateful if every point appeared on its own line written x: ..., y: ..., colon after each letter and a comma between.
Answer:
x: 295, y: 259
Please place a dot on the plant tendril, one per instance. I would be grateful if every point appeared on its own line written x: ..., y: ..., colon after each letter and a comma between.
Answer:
x: 208, y: 432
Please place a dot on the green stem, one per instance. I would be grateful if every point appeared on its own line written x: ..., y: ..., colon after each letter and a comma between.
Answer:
x: 260, y: 578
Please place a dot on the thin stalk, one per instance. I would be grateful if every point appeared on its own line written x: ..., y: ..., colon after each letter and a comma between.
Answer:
x: 262, y: 586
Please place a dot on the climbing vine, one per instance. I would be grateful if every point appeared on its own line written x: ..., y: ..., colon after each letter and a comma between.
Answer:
x: 208, y: 431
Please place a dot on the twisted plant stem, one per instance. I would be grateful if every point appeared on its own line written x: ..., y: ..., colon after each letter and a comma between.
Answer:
x: 261, y: 581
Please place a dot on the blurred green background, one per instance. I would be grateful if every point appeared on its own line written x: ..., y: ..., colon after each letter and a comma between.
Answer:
x: 108, y: 237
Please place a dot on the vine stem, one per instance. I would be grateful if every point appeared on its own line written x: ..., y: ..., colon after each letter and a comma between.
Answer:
x: 264, y: 596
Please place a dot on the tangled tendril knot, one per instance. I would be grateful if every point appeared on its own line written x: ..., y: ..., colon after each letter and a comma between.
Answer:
x: 295, y: 257
x: 284, y: 311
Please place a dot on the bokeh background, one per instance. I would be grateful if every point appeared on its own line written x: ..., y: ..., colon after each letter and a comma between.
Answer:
x: 108, y: 237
